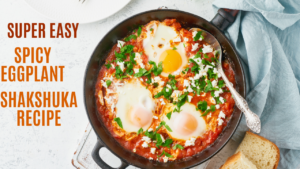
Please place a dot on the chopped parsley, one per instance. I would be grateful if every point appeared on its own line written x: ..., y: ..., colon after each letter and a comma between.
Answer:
x: 108, y: 82
x: 151, y: 29
x: 119, y: 122
x: 197, y: 37
x: 156, y: 69
x: 167, y: 143
x: 108, y: 66
x: 212, y: 109
x: 178, y: 146
x: 140, y: 131
x: 181, y: 100
x: 166, y: 154
x: 130, y: 37
x: 174, y: 48
x: 221, y: 83
x: 169, y: 115
x: 139, y: 31
x: 202, y: 105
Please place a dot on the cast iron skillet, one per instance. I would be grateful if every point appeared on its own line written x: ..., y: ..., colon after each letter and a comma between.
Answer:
x: 220, y: 22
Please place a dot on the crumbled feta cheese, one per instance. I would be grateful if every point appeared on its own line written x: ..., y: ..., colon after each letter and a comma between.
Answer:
x: 121, y: 65
x: 189, y: 89
x: 149, y: 130
x: 155, y: 117
x: 146, y: 139
x: 167, y: 89
x: 222, y: 100
x: 186, y: 39
x: 134, y: 150
x: 195, y: 46
x: 198, y: 61
x: 152, y: 150
x: 207, y: 49
x: 215, y: 71
x: 200, y: 38
x: 136, y: 70
x: 209, y: 115
x: 162, y: 101
x: 190, y: 142
x: 165, y: 159
x: 163, y: 139
x: 169, y: 86
x: 175, y: 95
x: 214, y: 83
x: 186, y: 83
x: 190, y: 98
x: 150, y: 158
x: 141, y: 79
x: 208, y: 67
x: 144, y: 145
x: 217, y: 106
x: 194, y: 33
x: 120, y: 43
x: 220, y: 122
x: 222, y: 115
x: 177, y: 39
x: 157, y: 79
x: 139, y: 60
x: 218, y: 92
x: 212, y: 100
x: 103, y: 83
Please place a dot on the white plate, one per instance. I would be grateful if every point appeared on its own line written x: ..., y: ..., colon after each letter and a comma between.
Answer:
x: 75, y: 11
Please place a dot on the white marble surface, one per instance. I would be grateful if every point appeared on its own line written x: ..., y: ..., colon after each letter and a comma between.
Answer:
x: 53, y: 147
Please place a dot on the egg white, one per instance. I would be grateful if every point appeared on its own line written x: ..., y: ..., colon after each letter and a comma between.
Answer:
x: 158, y: 40
x: 130, y: 95
x: 187, y: 108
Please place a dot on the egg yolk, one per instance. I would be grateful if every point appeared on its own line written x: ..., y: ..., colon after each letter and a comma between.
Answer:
x: 185, y: 124
x: 171, y: 60
x: 140, y: 117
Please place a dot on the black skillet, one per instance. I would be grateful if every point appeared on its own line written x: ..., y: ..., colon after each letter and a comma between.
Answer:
x: 216, y: 27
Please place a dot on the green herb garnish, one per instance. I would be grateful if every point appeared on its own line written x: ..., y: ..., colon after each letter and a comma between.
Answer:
x: 139, y: 31
x: 119, y: 122
x: 166, y: 154
x: 169, y: 115
x: 108, y: 66
x: 108, y: 82
x: 202, y: 105
x: 130, y: 37
x: 140, y: 131
x: 178, y: 146
x: 197, y: 37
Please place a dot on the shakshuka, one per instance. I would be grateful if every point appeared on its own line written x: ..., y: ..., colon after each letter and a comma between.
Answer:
x: 159, y: 93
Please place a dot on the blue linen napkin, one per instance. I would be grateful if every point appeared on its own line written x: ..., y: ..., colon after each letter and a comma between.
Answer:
x: 266, y: 35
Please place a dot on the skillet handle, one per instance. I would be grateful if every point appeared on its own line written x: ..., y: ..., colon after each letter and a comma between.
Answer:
x: 224, y: 18
x: 98, y: 159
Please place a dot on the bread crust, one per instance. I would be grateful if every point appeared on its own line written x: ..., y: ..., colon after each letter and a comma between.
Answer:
x: 231, y: 160
x: 278, y: 152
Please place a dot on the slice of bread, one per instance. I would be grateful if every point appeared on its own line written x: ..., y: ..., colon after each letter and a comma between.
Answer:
x: 260, y: 151
x: 238, y: 161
